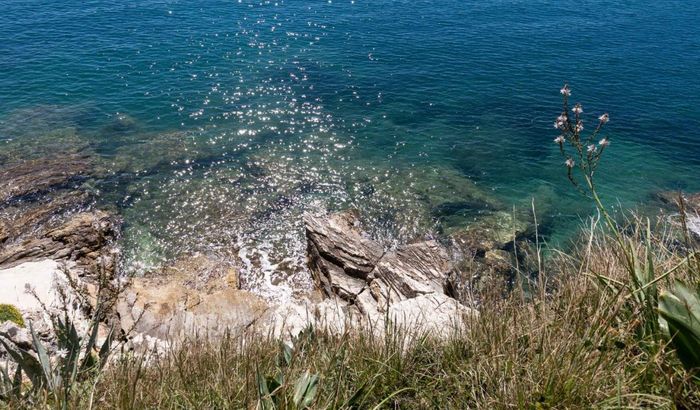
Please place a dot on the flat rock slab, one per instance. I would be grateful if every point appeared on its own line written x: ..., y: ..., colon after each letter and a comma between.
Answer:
x: 195, y: 294
x: 41, y: 276
x: 171, y: 311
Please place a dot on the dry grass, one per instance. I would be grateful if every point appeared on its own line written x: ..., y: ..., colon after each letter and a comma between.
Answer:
x: 570, y: 341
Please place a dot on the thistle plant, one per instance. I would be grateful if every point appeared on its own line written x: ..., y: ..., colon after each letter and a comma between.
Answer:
x: 582, y: 153
x: 677, y: 316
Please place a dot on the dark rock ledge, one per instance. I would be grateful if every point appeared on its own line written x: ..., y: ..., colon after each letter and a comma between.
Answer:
x: 45, y: 214
x: 48, y: 229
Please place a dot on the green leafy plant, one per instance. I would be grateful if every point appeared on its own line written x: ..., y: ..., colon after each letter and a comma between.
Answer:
x: 76, y: 358
x: 11, y: 313
x: 273, y: 391
x: 679, y: 309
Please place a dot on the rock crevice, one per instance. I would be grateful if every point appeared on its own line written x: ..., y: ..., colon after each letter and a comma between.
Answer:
x: 406, y: 285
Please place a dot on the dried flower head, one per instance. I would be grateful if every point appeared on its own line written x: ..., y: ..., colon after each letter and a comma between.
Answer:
x: 560, y: 122
x: 578, y: 109
x: 579, y: 126
x: 591, y: 148
x: 570, y: 163
x: 565, y: 90
x: 62, y: 353
x: 604, y: 142
x: 560, y: 139
x: 604, y: 118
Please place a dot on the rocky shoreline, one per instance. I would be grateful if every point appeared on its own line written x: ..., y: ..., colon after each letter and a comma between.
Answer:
x: 51, y: 233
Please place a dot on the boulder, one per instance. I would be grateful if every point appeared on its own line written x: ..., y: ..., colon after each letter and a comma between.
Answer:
x: 406, y: 285
x: 335, y: 242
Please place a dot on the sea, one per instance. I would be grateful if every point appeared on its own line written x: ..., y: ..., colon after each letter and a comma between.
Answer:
x: 217, y: 124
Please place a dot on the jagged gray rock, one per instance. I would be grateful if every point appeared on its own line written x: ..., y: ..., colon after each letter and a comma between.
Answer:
x: 406, y: 285
x: 16, y: 334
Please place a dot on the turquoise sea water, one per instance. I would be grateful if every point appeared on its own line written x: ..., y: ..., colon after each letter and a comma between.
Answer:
x: 221, y: 122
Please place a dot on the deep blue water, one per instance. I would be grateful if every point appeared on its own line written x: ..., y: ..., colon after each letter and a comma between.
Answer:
x: 244, y: 114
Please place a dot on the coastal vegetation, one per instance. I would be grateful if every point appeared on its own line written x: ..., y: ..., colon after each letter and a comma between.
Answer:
x: 570, y: 340
x: 11, y: 313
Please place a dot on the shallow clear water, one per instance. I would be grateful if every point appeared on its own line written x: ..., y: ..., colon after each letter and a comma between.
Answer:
x: 221, y: 122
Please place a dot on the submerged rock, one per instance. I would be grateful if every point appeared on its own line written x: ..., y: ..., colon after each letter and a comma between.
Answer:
x: 120, y: 124
x: 495, y: 230
x: 41, y: 131
x: 489, y: 249
x: 38, y: 176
